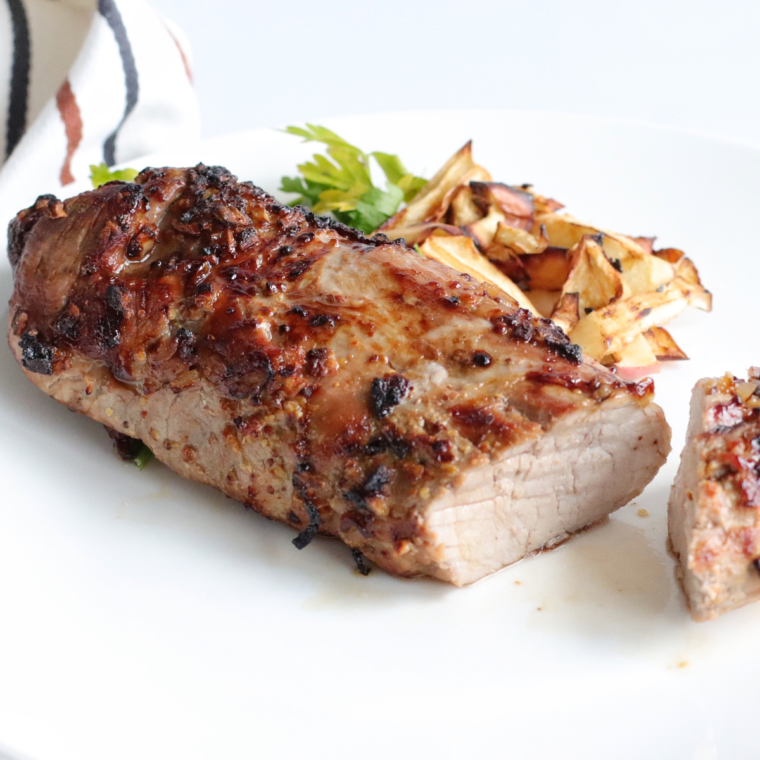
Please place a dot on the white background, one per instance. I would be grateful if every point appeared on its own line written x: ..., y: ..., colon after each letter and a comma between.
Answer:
x: 692, y: 64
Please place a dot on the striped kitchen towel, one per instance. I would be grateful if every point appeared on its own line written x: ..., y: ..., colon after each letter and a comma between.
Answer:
x: 86, y: 81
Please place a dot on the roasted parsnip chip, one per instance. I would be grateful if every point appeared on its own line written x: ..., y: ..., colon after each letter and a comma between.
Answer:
x: 516, y: 204
x: 477, y: 174
x: 461, y: 254
x: 635, y: 359
x: 417, y: 233
x: 606, y: 330
x: 519, y: 240
x: 673, y: 255
x: 484, y: 229
x: 610, y: 292
x: 544, y: 301
x: 566, y: 313
x: 662, y: 345
x: 430, y: 203
x: 685, y: 268
x: 542, y: 204
x: 699, y: 297
x: 641, y: 271
x: 510, y: 263
x: 592, y: 277
x: 562, y: 230
x: 647, y: 243
x: 547, y: 270
x: 462, y: 209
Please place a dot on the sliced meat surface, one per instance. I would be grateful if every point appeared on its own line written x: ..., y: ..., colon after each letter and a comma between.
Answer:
x: 342, y: 384
x: 714, y: 509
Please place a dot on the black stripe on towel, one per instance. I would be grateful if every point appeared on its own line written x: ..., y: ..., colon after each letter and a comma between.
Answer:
x: 111, y: 14
x: 19, y: 90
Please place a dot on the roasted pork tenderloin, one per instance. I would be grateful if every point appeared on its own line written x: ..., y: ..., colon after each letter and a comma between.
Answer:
x: 342, y: 384
x: 714, y: 509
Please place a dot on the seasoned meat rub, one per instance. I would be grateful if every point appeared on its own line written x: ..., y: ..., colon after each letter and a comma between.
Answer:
x: 714, y: 510
x: 341, y: 384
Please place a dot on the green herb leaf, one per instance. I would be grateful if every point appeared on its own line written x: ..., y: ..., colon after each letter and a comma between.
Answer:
x: 385, y: 202
x: 100, y: 174
x: 308, y: 191
x: 143, y: 456
x: 411, y: 185
x: 315, y: 133
x: 341, y: 183
x: 372, y: 209
x: 391, y: 165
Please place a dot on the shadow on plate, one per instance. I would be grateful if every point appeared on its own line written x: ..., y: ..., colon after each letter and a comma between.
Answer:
x: 614, y: 582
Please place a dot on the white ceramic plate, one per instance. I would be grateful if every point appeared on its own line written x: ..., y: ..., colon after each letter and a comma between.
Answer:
x: 142, y: 616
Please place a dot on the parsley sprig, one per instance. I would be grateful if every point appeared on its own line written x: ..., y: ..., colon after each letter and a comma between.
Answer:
x: 100, y: 174
x: 143, y: 456
x: 344, y: 185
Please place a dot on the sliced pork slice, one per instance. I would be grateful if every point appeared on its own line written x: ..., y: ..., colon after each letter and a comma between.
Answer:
x: 341, y: 384
x: 714, y: 509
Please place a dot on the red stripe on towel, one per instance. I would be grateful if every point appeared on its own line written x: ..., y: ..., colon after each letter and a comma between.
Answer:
x: 72, y: 121
x: 182, y: 54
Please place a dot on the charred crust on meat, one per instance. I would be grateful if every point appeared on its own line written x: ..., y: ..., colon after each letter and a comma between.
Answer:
x: 108, y: 327
x: 326, y: 223
x: 68, y: 323
x: 320, y: 362
x: 387, y: 393
x: 298, y: 269
x: 250, y: 376
x: 373, y: 486
x: 442, y: 451
x: 211, y: 176
x: 319, y: 320
x: 115, y: 298
x: 19, y: 321
x: 186, y: 345
x: 361, y: 562
x: 46, y: 206
x: 129, y: 198
x: 523, y: 327
x: 126, y: 447
x: 45, y: 202
x: 247, y: 238
x: 477, y: 423
x: 481, y: 359
x: 35, y: 355
x: 562, y: 346
x: 306, y: 536
x: 388, y: 440
x: 356, y: 519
